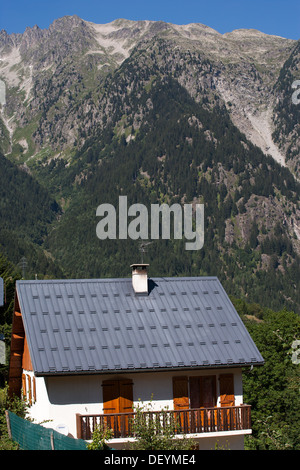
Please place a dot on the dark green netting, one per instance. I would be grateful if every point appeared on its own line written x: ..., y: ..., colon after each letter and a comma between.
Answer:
x: 32, y: 436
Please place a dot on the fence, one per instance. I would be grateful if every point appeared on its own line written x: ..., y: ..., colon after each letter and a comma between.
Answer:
x: 32, y: 436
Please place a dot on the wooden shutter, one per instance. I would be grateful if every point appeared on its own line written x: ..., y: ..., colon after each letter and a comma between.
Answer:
x: 195, y: 392
x: 110, y: 396
x: 226, y: 390
x: 117, y: 396
x: 34, y: 389
x: 180, y: 393
x: 29, y: 389
x: 24, y: 388
x: 126, y: 396
x: 208, y: 391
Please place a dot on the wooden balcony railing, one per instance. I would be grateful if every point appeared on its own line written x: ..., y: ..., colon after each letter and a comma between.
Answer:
x: 190, y: 421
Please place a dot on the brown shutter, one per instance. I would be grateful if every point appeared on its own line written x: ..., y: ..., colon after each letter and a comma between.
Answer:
x: 117, y: 396
x: 126, y: 396
x: 180, y: 393
x: 29, y: 389
x: 24, y: 388
x: 110, y: 396
x: 34, y: 389
x: 195, y: 392
x: 226, y: 390
x: 208, y: 391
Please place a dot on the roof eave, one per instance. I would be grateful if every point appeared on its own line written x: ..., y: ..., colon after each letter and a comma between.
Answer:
x: 145, y: 370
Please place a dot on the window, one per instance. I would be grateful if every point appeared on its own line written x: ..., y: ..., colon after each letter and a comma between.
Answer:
x: 117, y: 396
x: 226, y: 389
x: 201, y: 391
x: 180, y: 393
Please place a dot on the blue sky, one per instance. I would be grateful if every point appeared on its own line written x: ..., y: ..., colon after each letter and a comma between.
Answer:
x: 279, y: 17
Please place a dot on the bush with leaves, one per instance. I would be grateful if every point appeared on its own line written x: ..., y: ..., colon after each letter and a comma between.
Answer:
x: 156, y: 431
x: 15, y: 405
x: 100, y: 437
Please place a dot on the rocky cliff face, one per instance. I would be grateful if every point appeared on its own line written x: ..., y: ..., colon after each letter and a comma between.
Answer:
x: 57, y: 78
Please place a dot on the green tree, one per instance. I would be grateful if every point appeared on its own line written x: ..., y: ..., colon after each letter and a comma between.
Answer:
x: 273, y: 389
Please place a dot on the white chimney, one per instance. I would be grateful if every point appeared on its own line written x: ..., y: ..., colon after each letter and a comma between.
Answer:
x: 140, y: 278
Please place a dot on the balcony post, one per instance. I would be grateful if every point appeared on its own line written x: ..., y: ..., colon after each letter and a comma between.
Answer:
x: 78, y: 426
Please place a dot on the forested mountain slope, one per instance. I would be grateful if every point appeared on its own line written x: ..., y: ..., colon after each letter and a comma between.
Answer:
x: 186, y: 153
x: 26, y: 213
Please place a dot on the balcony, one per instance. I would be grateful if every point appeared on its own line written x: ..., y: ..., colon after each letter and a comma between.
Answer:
x: 191, y: 421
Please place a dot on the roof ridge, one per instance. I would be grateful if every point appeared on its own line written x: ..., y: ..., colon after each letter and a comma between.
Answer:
x: 118, y: 279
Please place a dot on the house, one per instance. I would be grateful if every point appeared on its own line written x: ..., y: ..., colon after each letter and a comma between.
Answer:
x: 85, y: 352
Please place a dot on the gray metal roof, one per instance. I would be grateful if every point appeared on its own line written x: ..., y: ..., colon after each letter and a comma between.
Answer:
x: 80, y: 326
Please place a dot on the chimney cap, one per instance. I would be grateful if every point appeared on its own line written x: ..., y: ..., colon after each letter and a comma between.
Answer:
x: 142, y: 265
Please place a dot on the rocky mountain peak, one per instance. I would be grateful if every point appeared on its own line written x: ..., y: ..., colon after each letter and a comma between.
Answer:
x: 244, y: 66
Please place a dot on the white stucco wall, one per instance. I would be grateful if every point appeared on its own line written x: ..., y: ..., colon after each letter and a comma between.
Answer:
x: 60, y: 398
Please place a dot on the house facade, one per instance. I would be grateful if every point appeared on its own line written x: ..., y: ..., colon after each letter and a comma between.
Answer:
x: 88, y: 352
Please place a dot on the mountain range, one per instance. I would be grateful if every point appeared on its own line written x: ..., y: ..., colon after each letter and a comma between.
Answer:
x: 161, y: 113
